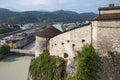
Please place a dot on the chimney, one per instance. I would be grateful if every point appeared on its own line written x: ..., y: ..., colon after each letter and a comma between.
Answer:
x: 111, y: 5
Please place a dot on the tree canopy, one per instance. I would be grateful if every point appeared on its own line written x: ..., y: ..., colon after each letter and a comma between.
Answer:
x: 4, y: 49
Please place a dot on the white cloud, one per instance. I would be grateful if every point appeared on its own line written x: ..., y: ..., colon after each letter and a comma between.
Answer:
x: 64, y: 1
x: 33, y: 2
x: 44, y: 2
x: 51, y: 5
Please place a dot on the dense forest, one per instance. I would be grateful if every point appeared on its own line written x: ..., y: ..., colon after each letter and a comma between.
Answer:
x: 40, y: 16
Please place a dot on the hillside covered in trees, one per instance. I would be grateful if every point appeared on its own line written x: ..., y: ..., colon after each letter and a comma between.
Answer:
x: 40, y: 16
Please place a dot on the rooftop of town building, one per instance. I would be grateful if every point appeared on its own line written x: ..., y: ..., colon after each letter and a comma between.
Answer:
x: 49, y: 32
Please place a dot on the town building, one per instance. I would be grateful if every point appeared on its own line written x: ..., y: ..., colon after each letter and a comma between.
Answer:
x: 69, y: 26
x: 19, y: 40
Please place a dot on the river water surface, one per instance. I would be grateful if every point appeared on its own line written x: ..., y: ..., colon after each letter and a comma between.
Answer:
x: 15, y: 67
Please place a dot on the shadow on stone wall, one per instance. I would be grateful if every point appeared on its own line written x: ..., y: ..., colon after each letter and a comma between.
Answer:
x: 109, y: 67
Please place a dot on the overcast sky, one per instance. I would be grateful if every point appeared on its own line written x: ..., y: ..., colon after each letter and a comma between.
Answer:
x: 79, y: 6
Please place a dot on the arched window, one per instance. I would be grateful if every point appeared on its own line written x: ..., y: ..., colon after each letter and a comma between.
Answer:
x: 65, y: 55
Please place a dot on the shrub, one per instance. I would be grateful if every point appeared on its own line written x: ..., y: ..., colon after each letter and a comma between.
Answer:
x: 46, y: 67
x: 86, y: 67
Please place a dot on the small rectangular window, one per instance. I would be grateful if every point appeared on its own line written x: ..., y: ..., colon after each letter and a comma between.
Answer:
x: 68, y: 41
x: 83, y: 41
x: 62, y: 43
x: 73, y: 45
x: 55, y: 44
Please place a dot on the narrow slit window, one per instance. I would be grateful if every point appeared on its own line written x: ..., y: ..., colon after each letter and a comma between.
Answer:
x: 55, y: 44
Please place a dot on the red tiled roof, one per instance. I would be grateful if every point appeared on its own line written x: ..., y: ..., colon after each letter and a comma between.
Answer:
x: 114, y: 16
x: 49, y: 32
x: 110, y: 8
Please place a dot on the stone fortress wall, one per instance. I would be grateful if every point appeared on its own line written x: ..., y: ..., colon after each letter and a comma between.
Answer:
x: 68, y: 43
x: 107, y: 36
x: 103, y: 33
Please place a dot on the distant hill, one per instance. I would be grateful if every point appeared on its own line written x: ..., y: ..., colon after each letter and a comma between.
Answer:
x: 41, y: 16
x: 5, y: 13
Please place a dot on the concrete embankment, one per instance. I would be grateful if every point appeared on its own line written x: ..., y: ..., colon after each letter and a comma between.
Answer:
x: 9, y: 54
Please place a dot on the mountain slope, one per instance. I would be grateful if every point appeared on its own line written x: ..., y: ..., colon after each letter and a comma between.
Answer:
x: 39, y: 16
x: 5, y: 13
x: 87, y: 15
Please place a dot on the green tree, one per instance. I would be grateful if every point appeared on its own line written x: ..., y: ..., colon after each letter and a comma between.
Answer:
x: 63, y: 27
x: 5, y: 29
x: 4, y: 49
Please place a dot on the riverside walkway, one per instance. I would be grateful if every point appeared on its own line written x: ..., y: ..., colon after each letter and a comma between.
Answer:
x: 22, y: 51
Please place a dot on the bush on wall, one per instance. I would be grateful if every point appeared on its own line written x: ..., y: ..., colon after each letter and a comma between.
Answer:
x: 46, y: 67
x: 86, y: 65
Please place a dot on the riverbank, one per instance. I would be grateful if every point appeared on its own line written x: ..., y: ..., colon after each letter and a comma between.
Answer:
x: 27, y: 47
x: 4, y: 56
x: 29, y: 42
